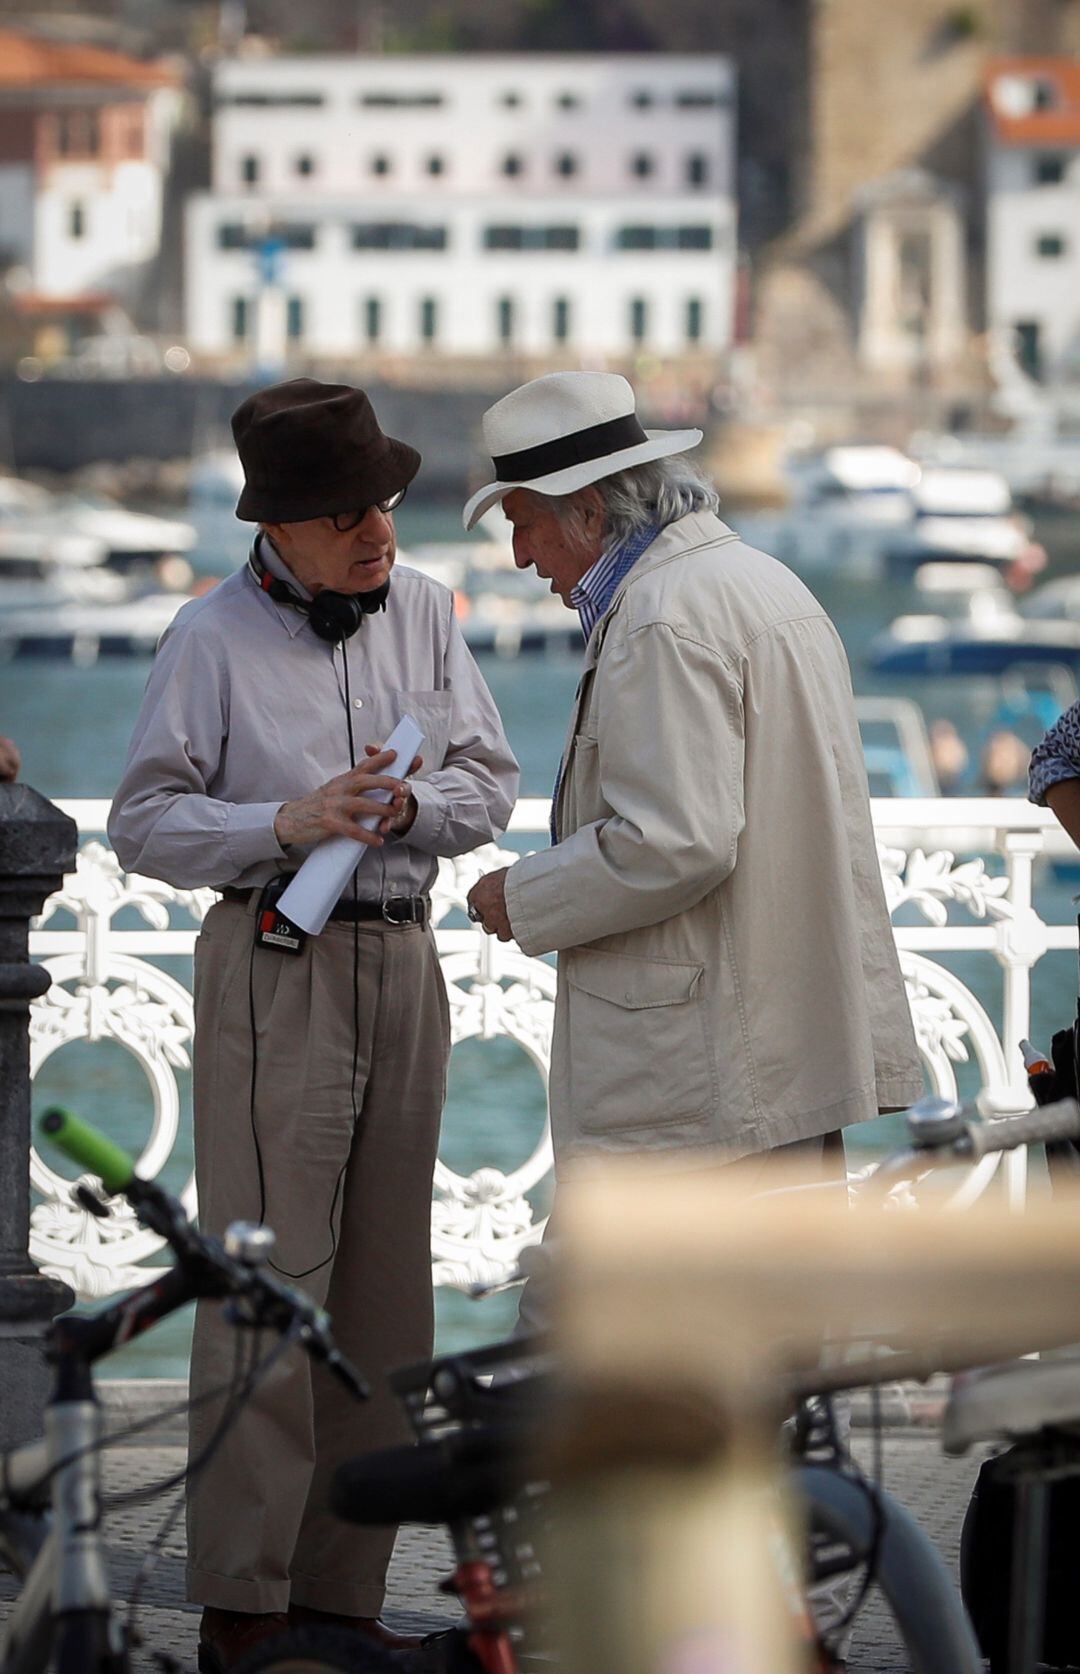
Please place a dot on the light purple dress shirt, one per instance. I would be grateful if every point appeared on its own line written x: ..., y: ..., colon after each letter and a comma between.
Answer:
x: 245, y: 709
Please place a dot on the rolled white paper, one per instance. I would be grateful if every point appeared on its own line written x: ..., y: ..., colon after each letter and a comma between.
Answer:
x: 321, y: 880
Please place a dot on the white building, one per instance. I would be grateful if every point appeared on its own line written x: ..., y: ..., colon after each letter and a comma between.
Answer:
x: 1033, y: 212
x: 466, y: 206
x: 84, y: 140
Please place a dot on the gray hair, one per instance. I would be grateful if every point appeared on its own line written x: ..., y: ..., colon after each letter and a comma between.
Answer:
x: 646, y: 496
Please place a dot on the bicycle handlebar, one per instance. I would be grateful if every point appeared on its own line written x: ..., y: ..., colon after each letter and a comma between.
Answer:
x: 213, y: 1272
x: 90, y: 1148
x: 1039, y: 1126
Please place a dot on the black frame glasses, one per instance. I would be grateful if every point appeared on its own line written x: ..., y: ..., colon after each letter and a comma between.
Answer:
x: 344, y: 521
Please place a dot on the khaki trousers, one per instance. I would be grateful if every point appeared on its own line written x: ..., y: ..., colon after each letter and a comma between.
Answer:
x: 350, y: 1201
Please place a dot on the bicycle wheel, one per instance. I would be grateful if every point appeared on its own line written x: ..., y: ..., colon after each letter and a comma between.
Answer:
x: 318, y: 1650
x: 910, y: 1573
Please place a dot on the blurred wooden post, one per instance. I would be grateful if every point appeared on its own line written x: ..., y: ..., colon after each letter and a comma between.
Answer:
x: 37, y: 846
x: 684, y: 1312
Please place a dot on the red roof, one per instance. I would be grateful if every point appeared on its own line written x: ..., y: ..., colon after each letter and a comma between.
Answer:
x: 1034, y: 101
x: 33, y: 64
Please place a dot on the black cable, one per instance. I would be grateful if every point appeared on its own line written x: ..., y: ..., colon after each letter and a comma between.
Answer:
x: 115, y: 1437
x: 234, y: 1405
x: 306, y: 1272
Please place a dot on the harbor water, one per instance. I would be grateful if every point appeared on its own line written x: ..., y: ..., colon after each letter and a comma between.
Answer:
x: 73, y: 724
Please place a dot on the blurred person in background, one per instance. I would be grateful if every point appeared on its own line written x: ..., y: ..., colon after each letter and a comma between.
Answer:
x: 1054, y: 772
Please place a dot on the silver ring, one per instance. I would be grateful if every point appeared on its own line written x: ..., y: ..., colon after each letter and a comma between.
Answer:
x: 474, y: 913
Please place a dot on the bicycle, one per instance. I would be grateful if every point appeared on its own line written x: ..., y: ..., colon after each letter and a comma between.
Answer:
x: 475, y: 1471
x: 64, y: 1609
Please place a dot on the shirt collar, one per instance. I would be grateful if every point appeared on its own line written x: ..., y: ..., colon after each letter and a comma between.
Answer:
x: 592, y: 595
x: 275, y: 563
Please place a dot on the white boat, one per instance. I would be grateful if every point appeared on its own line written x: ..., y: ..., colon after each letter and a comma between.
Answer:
x: 842, y: 500
x: 130, y: 540
x: 74, y: 530
x: 216, y: 480
x: 865, y: 508
x: 82, y: 633
x: 960, y: 514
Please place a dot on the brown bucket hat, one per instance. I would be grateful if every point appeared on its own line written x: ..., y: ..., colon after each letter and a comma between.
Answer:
x: 312, y: 450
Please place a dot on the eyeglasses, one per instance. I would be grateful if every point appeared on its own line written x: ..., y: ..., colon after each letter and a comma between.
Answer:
x: 344, y: 521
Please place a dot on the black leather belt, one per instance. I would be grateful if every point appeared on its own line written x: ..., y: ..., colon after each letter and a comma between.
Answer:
x: 396, y: 909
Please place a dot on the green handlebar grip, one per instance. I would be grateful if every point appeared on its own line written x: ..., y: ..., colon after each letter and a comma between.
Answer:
x: 92, y: 1150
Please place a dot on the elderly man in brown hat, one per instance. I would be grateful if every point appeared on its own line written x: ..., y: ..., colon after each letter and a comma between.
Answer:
x: 319, y: 1071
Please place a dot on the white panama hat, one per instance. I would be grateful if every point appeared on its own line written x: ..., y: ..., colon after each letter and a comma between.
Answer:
x: 562, y: 432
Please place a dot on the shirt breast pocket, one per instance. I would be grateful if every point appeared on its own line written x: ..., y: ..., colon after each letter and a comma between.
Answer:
x: 433, y: 713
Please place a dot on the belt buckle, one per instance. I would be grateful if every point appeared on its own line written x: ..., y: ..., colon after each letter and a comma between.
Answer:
x: 407, y: 914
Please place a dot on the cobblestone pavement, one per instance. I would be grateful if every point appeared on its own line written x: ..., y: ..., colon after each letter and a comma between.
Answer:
x: 933, y: 1487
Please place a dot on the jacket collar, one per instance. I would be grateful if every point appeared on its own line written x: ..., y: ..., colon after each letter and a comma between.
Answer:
x: 686, y: 534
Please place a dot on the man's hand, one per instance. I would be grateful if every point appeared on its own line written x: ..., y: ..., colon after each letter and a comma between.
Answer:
x: 487, y: 901
x: 334, y: 809
x: 10, y: 759
x: 401, y: 822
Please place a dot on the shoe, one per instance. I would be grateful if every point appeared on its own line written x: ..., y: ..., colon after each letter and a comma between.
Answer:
x: 369, y: 1627
x: 226, y: 1636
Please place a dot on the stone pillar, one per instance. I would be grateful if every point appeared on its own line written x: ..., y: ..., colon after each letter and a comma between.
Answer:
x: 37, y: 846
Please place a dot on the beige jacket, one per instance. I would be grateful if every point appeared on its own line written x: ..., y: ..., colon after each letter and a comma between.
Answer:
x: 727, y: 970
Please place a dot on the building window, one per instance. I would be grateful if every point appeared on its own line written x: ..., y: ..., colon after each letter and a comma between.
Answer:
x: 397, y: 235
x: 694, y: 319
x: 400, y: 101
x: 568, y: 101
x: 697, y: 169
x: 512, y: 164
x: 429, y: 319
x: 240, y: 319
x: 305, y: 163
x: 372, y: 319
x: 560, y: 319
x: 642, y: 99
x: 504, y: 315
x: 566, y: 164
x: 304, y: 101
x: 380, y: 163
x: 642, y: 164
x: 249, y: 169
x: 78, y: 133
x: 531, y: 238
x: 294, y: 318
x: 510, y: 101
x: 1049, y: 170
x: 77, y: 219
x: 639, y: 318
x: 435, y: 164
x: 664, y: 238
x: 288, y: 235
x: 1028, y: 348
x: 700, y: 98
x: 1043, y: 95
x: 1050, y: 244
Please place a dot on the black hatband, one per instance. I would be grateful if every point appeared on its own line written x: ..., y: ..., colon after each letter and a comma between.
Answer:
x: 576, y: 449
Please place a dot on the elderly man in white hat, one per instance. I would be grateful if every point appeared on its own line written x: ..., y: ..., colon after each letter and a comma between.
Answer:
x: 728, y: 979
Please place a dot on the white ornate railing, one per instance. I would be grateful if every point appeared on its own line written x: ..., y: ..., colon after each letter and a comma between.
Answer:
x: 106, y: 986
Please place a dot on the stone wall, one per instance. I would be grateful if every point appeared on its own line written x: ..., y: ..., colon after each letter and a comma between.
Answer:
x: 65, y: 424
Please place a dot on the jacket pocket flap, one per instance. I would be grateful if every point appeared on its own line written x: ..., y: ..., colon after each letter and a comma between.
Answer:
x: 635, y: 983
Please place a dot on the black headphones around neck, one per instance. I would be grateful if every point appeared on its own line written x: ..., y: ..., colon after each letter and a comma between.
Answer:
x: 333, y: 616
